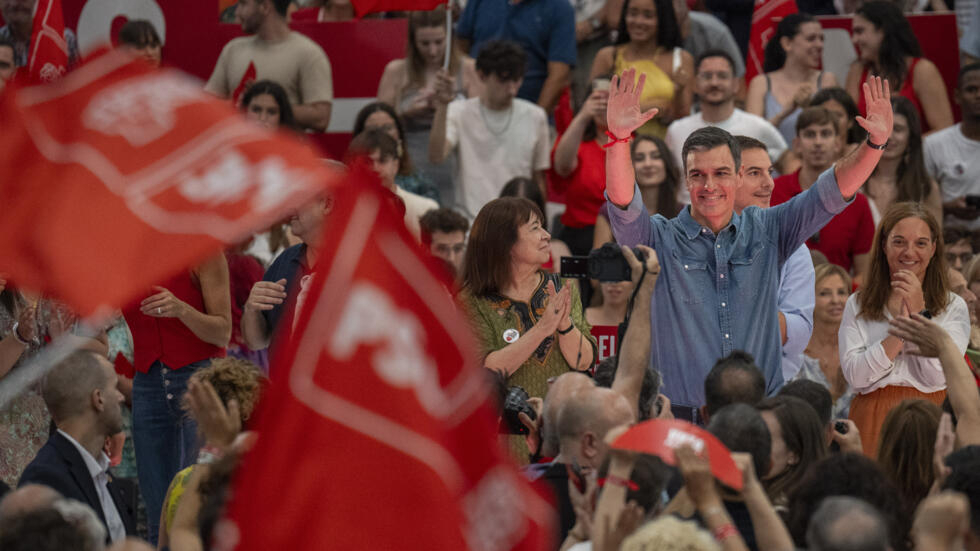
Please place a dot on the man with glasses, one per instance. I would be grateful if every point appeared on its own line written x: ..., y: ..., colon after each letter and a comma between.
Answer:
x: 715, y: 85
x: 959, y: 247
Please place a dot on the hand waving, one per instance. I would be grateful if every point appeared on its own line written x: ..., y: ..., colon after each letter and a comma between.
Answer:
x: 878, y: 102
x: 623, y: 114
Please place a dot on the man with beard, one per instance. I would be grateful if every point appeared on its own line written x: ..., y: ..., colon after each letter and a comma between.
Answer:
x: 715, y: 84
x: 18, y: 17
x: 85, y: 405
x: 278, y: 54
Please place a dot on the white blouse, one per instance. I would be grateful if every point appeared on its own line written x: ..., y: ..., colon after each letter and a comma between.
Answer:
x: 863, y: 359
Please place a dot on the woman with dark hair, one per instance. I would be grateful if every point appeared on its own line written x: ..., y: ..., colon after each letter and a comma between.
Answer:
x: 381, y: 116
x: 798, y: 441
x: 649, y: 41
x: 907, y: 275
x: 658, y: 178
x: 529, y: 324
x: 139, y: 37
x: 901, y: 173
x: 529, y: 189
x: 792, y: 73
x: 907, y: 446
x: 836, y: 100
x: 888, y: 48
x: 266, y: 103
x: 409, y: 84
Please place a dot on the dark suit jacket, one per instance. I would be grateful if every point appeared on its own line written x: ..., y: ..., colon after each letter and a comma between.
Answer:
x: 59, y: 465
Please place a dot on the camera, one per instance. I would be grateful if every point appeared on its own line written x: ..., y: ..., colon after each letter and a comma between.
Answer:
x: 606, y: 263
x: 841, y: 427
x: 514, y: 404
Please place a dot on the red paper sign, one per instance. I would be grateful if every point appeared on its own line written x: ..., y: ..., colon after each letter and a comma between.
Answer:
x: 659, y: 437
x: 118, y: 176
x: 605, y: 336
x: 49, y: 52
x: 378, y: 411
x: 765, y: 17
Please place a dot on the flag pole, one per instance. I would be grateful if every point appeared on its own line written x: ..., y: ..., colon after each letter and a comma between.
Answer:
x: 449, y: 35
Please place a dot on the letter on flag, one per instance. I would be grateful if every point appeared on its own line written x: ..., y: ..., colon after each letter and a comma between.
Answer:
x: 765, y: 17
x: 376, y: 432
x: 48, y: 58
x: 118, y: 176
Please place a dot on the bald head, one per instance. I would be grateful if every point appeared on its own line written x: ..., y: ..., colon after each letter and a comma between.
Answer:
x: 27, y: 498
x: 558, y: 393
x: 584, y: 421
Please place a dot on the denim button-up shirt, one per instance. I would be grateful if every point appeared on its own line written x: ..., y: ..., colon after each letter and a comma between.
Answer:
x: 718, y: 293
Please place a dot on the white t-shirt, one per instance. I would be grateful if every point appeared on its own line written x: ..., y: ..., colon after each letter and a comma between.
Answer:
x: 953, y: 160
x: 493, y: 147
x: 740, y: 123
x: 415, y: 207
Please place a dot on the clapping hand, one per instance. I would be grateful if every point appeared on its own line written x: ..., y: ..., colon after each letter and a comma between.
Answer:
x: 907, y: 285
x: 557, y: 310
x: 879, y: 117
x: 623, y: 114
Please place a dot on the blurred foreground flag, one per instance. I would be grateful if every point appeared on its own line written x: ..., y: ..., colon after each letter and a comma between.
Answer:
x: 378, y: 432
x: 765, y: 16
x: 118, y: 176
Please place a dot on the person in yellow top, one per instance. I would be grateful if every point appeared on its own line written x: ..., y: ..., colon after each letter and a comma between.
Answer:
x: 649, y: 41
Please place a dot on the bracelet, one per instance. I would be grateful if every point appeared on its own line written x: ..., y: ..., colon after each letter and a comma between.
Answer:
x: 209, y: 454
x: 567, y: 331
x: 873, y: 145
x: 724, y: 532
x: 618, y: 481
x: 613, y: 140
x: 17, y: 336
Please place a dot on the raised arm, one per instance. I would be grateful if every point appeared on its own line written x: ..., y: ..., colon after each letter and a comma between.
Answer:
x: 634, y: 354
x: 623, y: 116
x: 852, y: 171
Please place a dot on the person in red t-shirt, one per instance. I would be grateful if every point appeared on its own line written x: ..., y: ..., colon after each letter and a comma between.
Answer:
x: 846, y: 239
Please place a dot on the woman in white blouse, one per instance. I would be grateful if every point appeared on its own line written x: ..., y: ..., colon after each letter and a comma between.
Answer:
x: 908, y: 274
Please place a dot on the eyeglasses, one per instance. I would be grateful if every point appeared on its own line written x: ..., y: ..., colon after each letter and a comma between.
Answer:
x: 963, y: 257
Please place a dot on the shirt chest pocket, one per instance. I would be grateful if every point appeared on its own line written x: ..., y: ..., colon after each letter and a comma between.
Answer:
x: 747, y: 266
x: 693, y: 281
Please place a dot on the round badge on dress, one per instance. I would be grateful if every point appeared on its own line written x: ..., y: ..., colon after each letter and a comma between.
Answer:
x: 511, y: 335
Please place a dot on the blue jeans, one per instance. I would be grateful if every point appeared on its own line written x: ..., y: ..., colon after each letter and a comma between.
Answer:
x: 164, y: 435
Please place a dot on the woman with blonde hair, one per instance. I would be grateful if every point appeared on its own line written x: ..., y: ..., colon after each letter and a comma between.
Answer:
x: 907, y: 275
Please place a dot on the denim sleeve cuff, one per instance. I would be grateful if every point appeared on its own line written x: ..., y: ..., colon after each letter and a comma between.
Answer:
x: 632, y: 210
x: 828, y: 189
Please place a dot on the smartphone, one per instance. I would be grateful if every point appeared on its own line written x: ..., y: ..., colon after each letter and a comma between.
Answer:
x: 601, y: 84
x: 841, y: 427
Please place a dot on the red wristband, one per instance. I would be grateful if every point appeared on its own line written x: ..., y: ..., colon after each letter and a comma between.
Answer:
x: 724, y: 532
x: 613, y: 140
x: 618, y: 481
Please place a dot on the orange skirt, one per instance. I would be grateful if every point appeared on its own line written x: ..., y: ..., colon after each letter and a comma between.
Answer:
x: 868, y: 411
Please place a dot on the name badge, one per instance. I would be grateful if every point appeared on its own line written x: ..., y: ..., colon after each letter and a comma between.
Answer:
x: 511, y: 335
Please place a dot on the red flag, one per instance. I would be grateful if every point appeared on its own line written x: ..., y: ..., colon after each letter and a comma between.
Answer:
x: 765, y: 17
x: 247, y: 79
x: 377, y: 432
x: 364, y: 7
x: 48, y: 59
x: 118, y: 176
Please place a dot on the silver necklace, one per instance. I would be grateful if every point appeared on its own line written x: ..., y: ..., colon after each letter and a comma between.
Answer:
x: 486, y: 121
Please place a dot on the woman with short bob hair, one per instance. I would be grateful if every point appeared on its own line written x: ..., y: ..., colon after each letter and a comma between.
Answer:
x: 907, y: 276
x: 530, y: 324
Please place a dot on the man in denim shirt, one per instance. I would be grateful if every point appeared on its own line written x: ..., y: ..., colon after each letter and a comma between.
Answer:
x: 720, y: 270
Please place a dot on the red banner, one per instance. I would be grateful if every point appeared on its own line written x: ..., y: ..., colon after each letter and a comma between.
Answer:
x: 765, y: 17
x: 118, y: 176
x: 606, y: 337
x: 49, y: 52
x: 378, y: 421
x: 364, y: 7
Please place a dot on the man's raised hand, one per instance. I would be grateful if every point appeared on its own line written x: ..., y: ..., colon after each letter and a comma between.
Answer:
x: 623, y: 114
x: 879, y: 117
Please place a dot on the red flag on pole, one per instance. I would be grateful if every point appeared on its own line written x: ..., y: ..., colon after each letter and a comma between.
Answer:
x: 118, y: 176
x: 48, y: 58
x: 378, y: 419
x: 765, y: 17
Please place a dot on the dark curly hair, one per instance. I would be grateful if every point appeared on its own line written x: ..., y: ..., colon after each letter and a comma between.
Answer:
x: 503, y: 58
x: 234, y: 379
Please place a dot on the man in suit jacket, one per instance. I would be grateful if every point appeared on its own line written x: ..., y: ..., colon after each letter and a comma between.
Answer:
x: 84, y: 402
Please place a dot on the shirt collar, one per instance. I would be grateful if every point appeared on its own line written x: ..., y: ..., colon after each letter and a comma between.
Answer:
x: 692, y: 228
x: 95, y: 466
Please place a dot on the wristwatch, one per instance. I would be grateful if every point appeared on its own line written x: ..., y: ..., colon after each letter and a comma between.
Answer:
x: 873, y: 145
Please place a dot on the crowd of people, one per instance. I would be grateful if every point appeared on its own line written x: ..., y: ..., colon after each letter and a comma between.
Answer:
x: 803, y: 270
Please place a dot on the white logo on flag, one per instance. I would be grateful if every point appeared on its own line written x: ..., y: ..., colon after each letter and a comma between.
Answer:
x: 140, y: 110
x: 676, y: 438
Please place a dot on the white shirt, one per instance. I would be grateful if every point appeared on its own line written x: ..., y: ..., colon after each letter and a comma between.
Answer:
x: 415, y: 207
x: 863, y: 359
x: 953, y: 160
x: 98, y: 469
x: 493, y: 147
x: 740, y: 123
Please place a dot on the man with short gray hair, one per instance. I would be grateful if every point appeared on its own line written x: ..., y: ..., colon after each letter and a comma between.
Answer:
x: 845, y: 523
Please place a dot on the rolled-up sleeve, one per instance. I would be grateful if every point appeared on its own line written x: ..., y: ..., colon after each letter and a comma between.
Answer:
x: 808, y: 212
x: 862, y: 359
x: 632, y: 226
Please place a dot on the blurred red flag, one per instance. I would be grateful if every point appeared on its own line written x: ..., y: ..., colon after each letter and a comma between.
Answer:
x: 377, y: 432
x: 364, y: 7
x: 118, y: 176
x: 765, y: 17
x: 48, y: 59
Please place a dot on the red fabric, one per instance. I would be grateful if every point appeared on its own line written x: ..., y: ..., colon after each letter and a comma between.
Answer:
x: 305, y: 14
x: 48, y: 58
x: 847, y: 234
x: 364, y: 7
x: 168, y: 339
x: 130, y: 175
x: 123, y: 366
x: 583, y: 189
x: 765, y: 16
x: 381, y: 413
x: 247, y: 79
x: 908, y: 90
x: 243, y: 271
